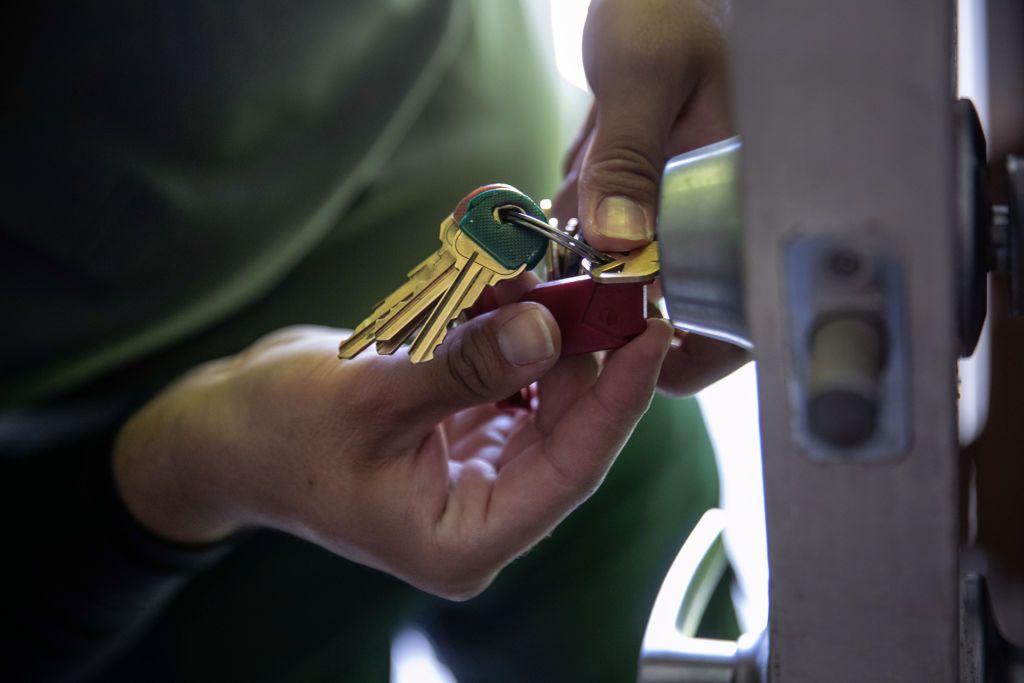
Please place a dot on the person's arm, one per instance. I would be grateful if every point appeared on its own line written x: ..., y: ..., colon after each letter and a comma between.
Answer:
x: 81, y: 575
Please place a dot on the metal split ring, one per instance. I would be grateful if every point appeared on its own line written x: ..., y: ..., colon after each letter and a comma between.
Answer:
x: 514, y: 214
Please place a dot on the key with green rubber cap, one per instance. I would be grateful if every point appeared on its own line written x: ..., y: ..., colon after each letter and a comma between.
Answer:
x: 511, y: 244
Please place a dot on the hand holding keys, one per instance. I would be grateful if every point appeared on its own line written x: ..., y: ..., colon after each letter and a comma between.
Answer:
x: 497, y: 233
x: 477, y: 249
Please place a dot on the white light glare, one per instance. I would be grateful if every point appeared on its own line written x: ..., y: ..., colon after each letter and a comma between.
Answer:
x: 567, y: 19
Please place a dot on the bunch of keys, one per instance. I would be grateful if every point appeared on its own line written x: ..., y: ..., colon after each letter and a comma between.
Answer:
x: 478, y: 249
x: 496, y: 233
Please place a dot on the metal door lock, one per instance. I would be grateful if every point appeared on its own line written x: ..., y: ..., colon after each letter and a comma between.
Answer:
x: 849, y: 351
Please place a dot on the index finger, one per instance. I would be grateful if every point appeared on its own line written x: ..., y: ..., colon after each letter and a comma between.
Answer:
x: 540, y: 487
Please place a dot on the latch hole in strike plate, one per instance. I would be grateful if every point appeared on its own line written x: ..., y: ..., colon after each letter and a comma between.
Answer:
x: 850, y: 388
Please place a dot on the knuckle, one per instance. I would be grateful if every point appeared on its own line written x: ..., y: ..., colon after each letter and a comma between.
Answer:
x: 462, y: 587
x: 578, y: 484
x: 460, y: 569
x: 684, y: 385
x: 561, y: 476
x: 474, y: 362
x: 623, y: 168
x: 467, y: 592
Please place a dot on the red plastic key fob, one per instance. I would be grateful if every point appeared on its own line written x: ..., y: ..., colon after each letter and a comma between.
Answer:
x: 591, y: 316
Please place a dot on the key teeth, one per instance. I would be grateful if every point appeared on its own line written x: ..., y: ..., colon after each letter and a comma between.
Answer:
x: 427, y: 356
x: 388, y: 348
x: 351, y: 353
x: 422, y: 349
x: 354, y: 345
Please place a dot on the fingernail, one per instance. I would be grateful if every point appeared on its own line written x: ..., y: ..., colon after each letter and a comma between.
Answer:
x: 526, y: 339
x: 622, y: 218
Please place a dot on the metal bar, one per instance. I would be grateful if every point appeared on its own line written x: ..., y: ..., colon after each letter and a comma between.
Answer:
x: 846, y: 113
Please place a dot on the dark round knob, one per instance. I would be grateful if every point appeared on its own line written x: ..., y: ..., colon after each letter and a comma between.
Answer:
x: 841, y: 418
x: 847, y: 355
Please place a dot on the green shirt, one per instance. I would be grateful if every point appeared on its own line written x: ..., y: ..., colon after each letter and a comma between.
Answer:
x: 170, y: 166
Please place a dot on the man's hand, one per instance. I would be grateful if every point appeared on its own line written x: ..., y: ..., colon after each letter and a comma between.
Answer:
x: 407, y: 468
x: 659, y: 74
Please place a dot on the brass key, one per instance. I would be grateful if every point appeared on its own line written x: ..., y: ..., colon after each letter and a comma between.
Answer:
x: 423, y: 290
x: 638, y: 265
x: 476, y: 270
x: 389, y: 312
x: 480, y: 250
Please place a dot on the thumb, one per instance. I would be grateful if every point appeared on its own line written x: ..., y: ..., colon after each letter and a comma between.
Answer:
x: 485, y: 360
x: 637, y: 96
x: 639, y: 92
x: 621, y: 173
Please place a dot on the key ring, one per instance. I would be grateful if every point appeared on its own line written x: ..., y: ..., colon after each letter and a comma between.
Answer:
x: 513, y: 214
